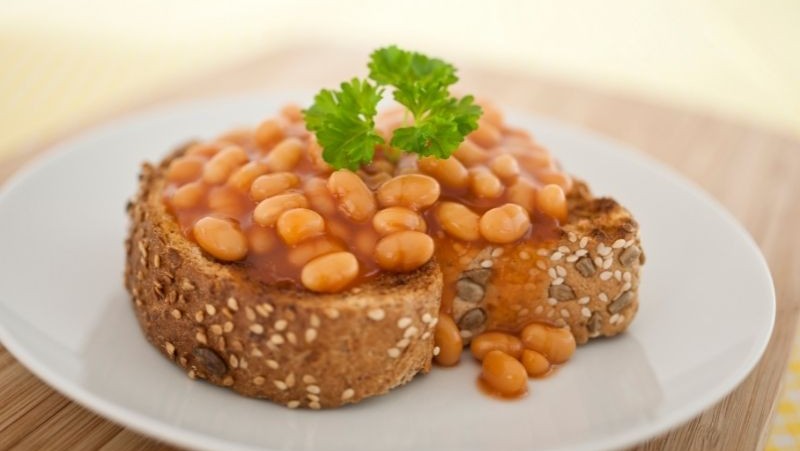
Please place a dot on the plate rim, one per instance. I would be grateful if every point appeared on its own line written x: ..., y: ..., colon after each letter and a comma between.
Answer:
x: 169, y: 433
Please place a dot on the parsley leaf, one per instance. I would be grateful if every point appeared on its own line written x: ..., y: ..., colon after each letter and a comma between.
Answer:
x: 344, y: 122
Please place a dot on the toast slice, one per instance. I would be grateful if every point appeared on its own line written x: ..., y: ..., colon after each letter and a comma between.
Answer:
x: 291, y: 346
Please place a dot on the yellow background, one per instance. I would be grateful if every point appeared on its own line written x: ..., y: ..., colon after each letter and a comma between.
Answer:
x: 67, y: 63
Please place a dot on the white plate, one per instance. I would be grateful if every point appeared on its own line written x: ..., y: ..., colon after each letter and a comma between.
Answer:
x: 707, y: 309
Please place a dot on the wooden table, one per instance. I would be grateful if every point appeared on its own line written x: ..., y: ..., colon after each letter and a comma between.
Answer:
x: 755, y: 173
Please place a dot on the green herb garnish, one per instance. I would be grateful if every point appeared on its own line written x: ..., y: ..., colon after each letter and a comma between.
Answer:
x: 344, y: 120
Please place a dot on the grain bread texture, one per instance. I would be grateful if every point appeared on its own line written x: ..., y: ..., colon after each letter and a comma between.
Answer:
x: 287, y: 345
x: 586, y: 278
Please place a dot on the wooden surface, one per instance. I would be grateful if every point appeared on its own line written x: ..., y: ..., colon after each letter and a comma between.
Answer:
x: 753, y: 172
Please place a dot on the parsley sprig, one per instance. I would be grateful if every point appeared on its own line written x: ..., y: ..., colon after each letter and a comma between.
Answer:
x: 344, y: 119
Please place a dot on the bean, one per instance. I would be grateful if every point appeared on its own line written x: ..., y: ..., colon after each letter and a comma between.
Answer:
x: 319, y: 197
x: 486, y: 135
x: 491, y: 114
x: 308, y: 250
x: 314, y: 153
x: 188, y: 195
x: 505, y: 166
x: 414, y: 191
x: 552, y: 202
x: 395, y: 219
x: 403, y: 251
x: 268, y: 134
x: 485, y: 184
x: 292, y: 112
x: 269, y: 210
x: 227, y: 201
x: 470, y: 154
x: 261, y: 239
x: 555, y: 177
x: 269, y: 185
x: 458, y: 221
x: 222, y: 165
x: 221, y: 238
x: 365, y: 241
x: 535, y: 364
x: 523, y: 193
x: 447, y: 338
x: 490, y: 341
x: 353, y: 196
x: 204, y: 150
x: 449, y: 172
x: 299, y: 224
x: 504, y: 373
x: 239, y: 137
x: 285, y: 155
x: 330, y: 273
x: 557, y: 344
x: 185, y: 169
x: 505, y: 224
x: 242, y: 179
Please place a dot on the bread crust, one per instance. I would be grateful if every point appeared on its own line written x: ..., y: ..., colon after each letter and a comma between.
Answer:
x: 284, y: 344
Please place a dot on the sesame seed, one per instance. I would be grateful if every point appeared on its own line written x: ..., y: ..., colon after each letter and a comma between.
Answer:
x: 402, y: 344
x: 210, y: 309
x: 315, y: 405
x: 618, y: 275
x: 233, y: 304
x: 314, y: 320
x: 348, y: 393
x: 558, y: 281
x: 538, y: 310
x: 552, y: 273
x: 584, y: 242
x: 581, y: 252
x: 255, y: 352
x: 561, y: 271
x: 280, y: 384
x: 524, y: 255
x: 176, y: 313
x: 411, y: 332
x: 215, y: 329
x: 426, y: 317
x: 598, y: 261
x: 629, y: 243
x: 313, y: 389
x: 565, y: 313
x: 277, y: 339
x: 433, y: 323
x: 543, y: 252
x: 614, y: 318
x: 626, y: 276
x: 293, y: 404
x: 234, y: 361
x: 605, y: 275
x: 228, y: 381
x: 487, y: 264
x: 243, y: 363
x: 281, y: 324
x: 564, y: 249
x: 257, y: 329
x: 312, y: 397
x: 465, y: 334
x: 291, y: 338
x: 572, y: 237
x: 201, y: 337
x: 191, y: 374
x: 404, y: 322
x: 523, y: 312
x: 584, y: 300
x: 572, y: 258
x: 228, y: 326
x: 586, y: 312
x: 497, y: 252
x: 625, y: 287
x: 426, y: 335
x: 541, y: 265
x: 436, y: 350
x: 621, y: 318
x: 250, y: 313
x: 603, y: 297
x: 618, y: 244
x: 262, y: 311
x: 607, y: 263
x: 331, y: 313
x: 258, y: 380
x: 552, y: 301
x: 272, y: 364
x: 290, y: 380
x: 393, y: 352
x: 199, y: 316
x: 309, y: 379
x: 311, y: 335
x: 556, y: 256
x: 603, y: 250
x: 376, y: 314
x: 187, y: 285
x: 170, y: 348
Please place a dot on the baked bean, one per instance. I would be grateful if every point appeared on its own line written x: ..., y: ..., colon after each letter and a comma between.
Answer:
x: 268, y: 134
x: 505, y: 224
x: 299, y: 224
x: 314, y: 153
x: 239, y: 137
x: 523, y: 193
x: 395, y: 219
x: 353, y: 196
x: 414, y: 191
x: 205, y: 150
x: 532, y: 160
x: 261, y: 239
x: 491, y: 114
x: 319, y: 197
x: 185, y: 169
x: 535, y: 364
x: 407, y: 164
x: 269, y: 210
x: 226, y: 200
x: 284, y: 156
x: 269, y: 185
x: 486, y: 135
x: 221, y: 238
x: 484, y: 184
x: 330, y: 273
x: 403, y: 251
x: 292, y: 112
x: 490, y: 341
x: 379, y: 166
x: 504, y: 373
x: 505, y: 166
x: 242, y: 179
x: 341, y: 230
x: 470, y: 153
x: 448, y: 171
x: 365, y: 241
x: 447, y: 338
x: 222, y: 165
x: 555, y: 177
x: 188, y: 195
x: 375, y: 180
x: 315, y: 247
x: 557, y: 344
x: 552, y: 201
x: 458, y: 221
